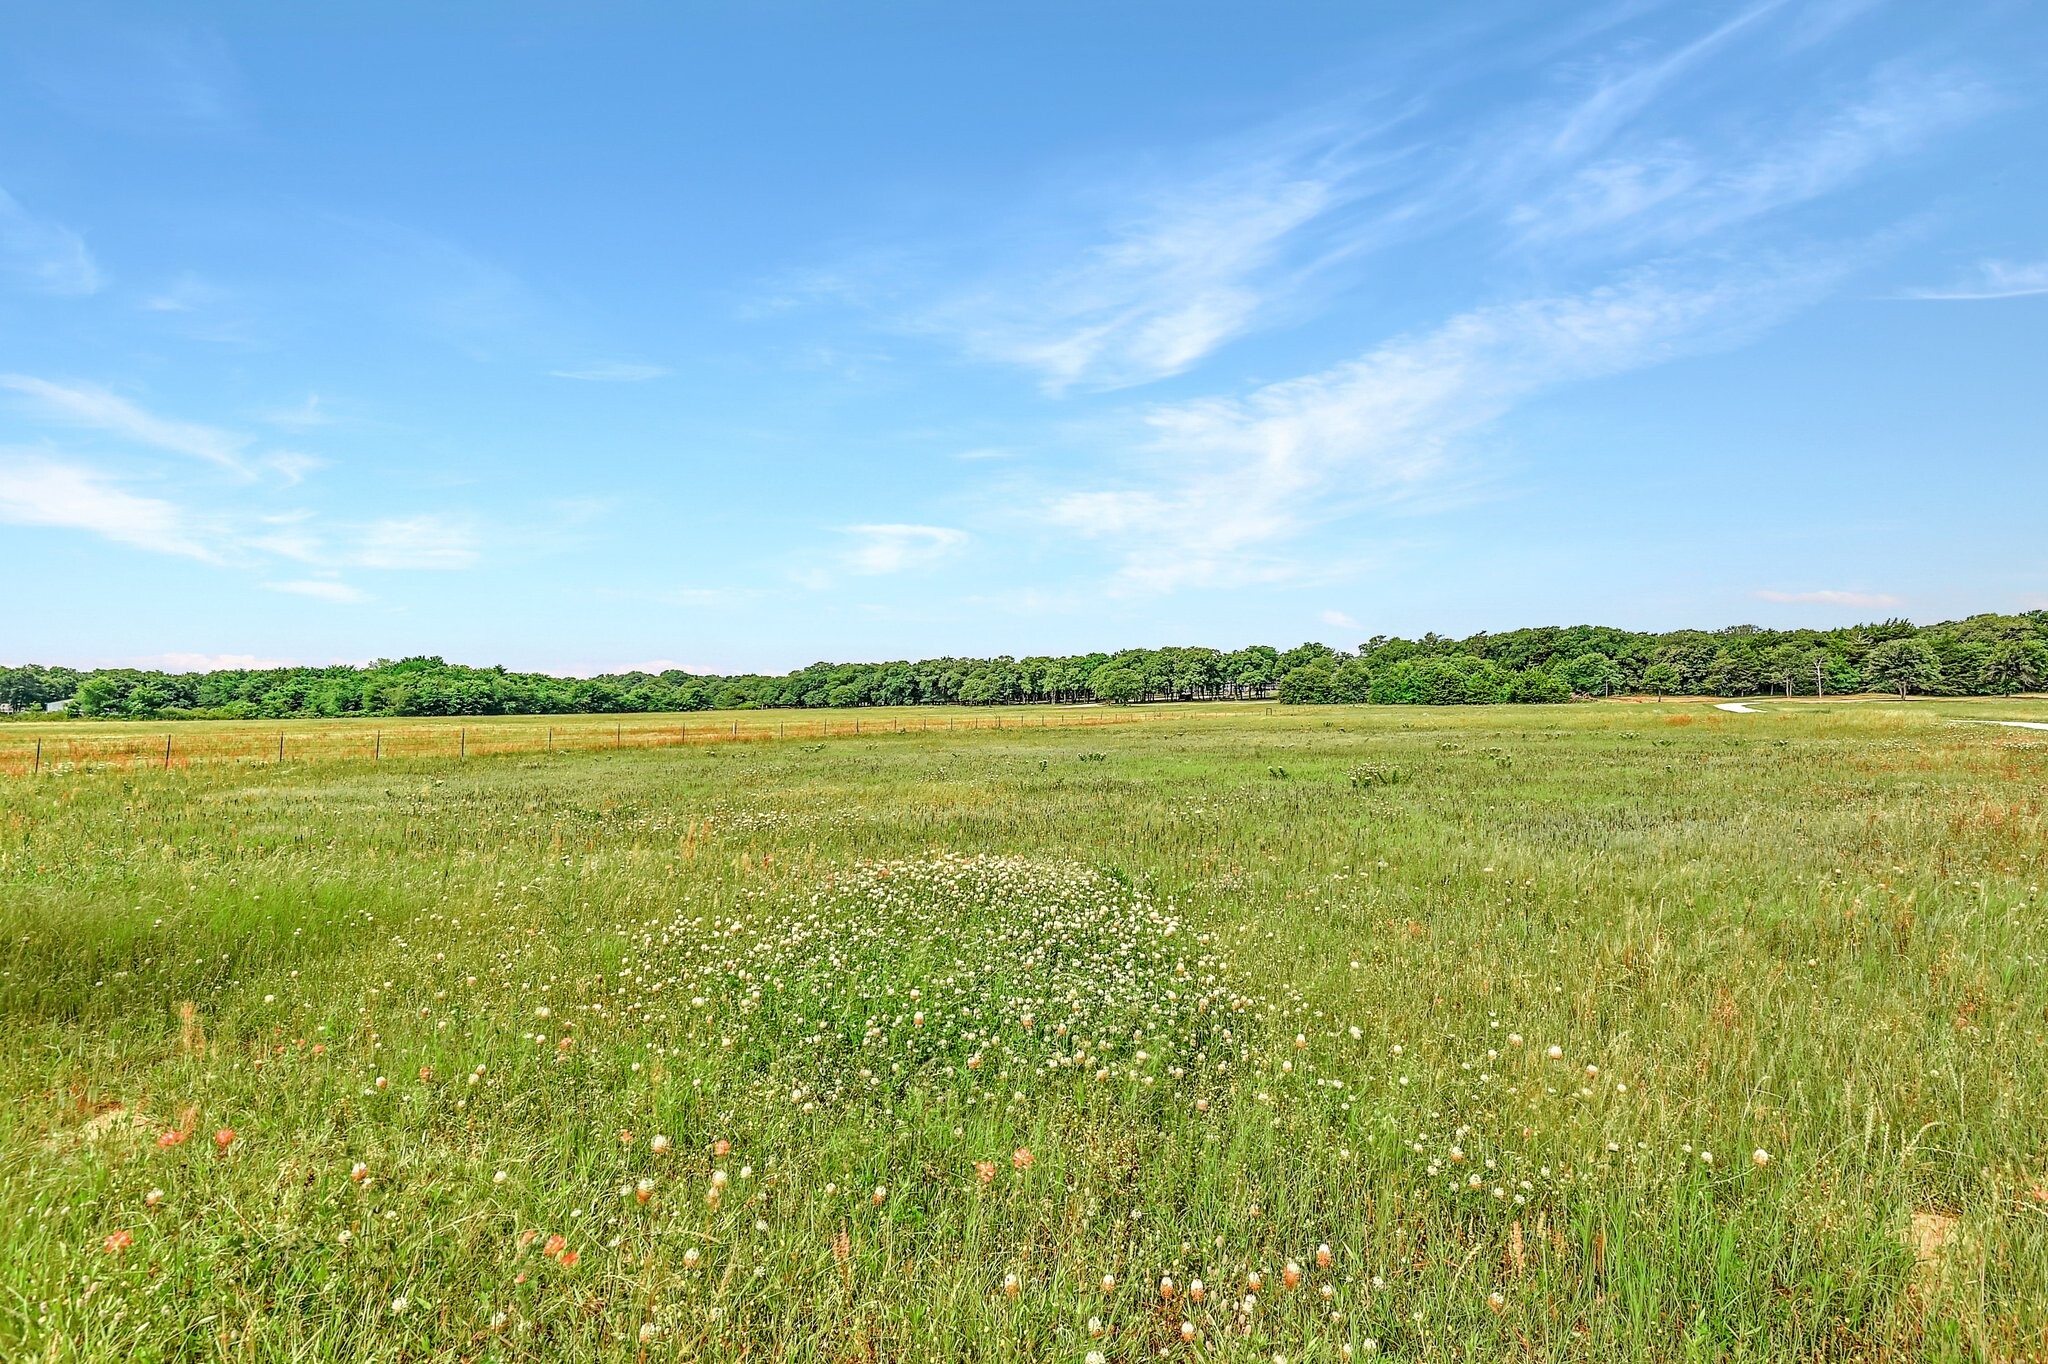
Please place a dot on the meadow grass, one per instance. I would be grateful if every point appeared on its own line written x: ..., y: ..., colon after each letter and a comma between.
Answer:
x: 1587, y: 1032
x: 64, y: 746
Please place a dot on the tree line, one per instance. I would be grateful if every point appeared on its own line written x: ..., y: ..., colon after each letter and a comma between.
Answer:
x: 1983, y: 655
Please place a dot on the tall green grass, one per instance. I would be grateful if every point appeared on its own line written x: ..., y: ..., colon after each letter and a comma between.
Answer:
x: 1193, y: 1000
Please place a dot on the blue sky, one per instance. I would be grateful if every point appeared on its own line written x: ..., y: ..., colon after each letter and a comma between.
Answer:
x: 731, y: 337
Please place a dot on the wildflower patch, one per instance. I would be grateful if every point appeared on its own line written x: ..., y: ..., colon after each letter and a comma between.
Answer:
x: 948, y: 973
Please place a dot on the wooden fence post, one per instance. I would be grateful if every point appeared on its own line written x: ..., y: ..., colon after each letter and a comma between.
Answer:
x: 461, y: 744
x: 167, y: 752
x: 39, y: 759
x: 280, y: 745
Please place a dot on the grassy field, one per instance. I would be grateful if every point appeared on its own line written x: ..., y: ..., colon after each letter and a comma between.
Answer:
x: 1582, y: 1032
x: 31, y: 747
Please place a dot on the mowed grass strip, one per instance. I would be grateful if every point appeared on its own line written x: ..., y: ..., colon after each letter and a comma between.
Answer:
x: 1580, y: 1032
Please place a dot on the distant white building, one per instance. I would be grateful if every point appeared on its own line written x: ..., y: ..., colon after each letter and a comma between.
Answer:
x: 53, y: 707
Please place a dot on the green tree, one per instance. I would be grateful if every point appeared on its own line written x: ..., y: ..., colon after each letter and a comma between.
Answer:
x: 1784, y: 666
x: 1592, y: 673
x: 1117, y: 684
x: 1986, y: 654
x: 1354, y: 681
x: 1311, y: 684
x: 1733, y: 672
x: 24, y: 689
x: 1534, y: 686
x: 1252, y: 670
x: 1301, y: 655
x: 1905, y: 663
x: 2015, y: 665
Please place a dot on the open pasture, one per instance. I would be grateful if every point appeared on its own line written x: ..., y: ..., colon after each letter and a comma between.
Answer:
x: 59, y: 746
x: 1577, y: 1032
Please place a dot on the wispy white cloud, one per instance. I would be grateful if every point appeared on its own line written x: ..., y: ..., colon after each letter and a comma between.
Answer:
x: 104, y: 410
x: 48, y: 487
x: 984, y: 452
x: 1622, y: 94
x: 42, y: 256
x: 291, y: 467
x: 1340, y: 620
x: 289, y: 535
x: 304, y: 416
x: 1818, y: 20
x: 1216, y: 489
x: 1672, y: 191
x: 325, y: 589
x: 1108, y: 286
x: 193, y: 308
x: 1992, y: 279
x: 1182, y: 277
x: 187, y: 293
x: 425, y: 541
x: 428, y: 541
x: 39, y: 489
x: 1247, y: 231
x: 1264, y: 226
x: 612, y: 372
x: 1828, y: 597
x: 36, y: 490
x: 892, y: 548
x: 1227, y: 479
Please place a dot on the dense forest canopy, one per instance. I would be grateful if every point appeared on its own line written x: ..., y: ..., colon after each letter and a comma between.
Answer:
x: 1983, y: 655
